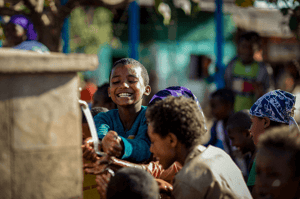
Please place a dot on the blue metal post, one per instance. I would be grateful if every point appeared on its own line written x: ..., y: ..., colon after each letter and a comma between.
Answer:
x: 65, y: 32
x: 134, y: 29
x: 219, y: 77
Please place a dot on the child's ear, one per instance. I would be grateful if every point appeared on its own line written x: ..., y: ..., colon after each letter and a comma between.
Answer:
x: 267, y: 122
x: 147, y: 90
x: 108, y: 91
x: 172, y: 139
x: 246, y: 133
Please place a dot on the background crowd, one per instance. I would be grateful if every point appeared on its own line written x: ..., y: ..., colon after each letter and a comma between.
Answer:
x: 246, y: 146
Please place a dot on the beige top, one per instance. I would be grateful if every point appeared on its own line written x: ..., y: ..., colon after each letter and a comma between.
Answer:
x: 209, y: 173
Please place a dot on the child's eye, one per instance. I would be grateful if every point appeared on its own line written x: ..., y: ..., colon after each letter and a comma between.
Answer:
x: 116, y: 82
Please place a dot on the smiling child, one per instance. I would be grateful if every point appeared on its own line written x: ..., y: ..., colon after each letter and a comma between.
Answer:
x: 176, y: 127
x: 124, y: 130
x: 238, y: 126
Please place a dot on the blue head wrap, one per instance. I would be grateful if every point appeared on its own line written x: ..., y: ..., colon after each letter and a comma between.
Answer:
x: 176, y: 91
x: 276, y: 105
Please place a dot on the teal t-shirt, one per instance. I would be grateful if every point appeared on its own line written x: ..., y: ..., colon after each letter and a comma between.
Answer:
x: 136, y: 140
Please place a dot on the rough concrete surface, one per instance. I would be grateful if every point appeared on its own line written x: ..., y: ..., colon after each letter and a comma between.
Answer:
x: 40, y: 130
x: 19, y: 61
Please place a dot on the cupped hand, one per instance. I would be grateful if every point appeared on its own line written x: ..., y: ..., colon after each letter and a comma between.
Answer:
x: 88, y: 153
x: 112, y: 144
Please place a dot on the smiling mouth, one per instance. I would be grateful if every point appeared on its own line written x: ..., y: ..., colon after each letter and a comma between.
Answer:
x: 124, y: 94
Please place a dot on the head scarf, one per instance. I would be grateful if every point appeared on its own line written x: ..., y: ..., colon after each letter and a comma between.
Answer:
x: 25, y: 23
x: 176, y: 91
x: 276, y: 105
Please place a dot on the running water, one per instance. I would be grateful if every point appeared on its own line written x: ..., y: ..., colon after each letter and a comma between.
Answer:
x: 90, y: 121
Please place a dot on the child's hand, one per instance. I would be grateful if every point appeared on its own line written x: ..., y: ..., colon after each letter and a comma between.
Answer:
x: 88, y: 153
x: 112, y: 144
x: 102, y: 181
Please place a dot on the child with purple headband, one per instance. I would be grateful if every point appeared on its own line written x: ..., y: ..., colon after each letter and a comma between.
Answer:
x: 21, y: 34
x: 273, y: 109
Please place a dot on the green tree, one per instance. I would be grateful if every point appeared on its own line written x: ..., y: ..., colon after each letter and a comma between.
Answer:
x: 90, y: 27
x: 48, y: 17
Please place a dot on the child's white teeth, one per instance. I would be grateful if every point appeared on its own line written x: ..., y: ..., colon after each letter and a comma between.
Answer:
x: 124, y: 94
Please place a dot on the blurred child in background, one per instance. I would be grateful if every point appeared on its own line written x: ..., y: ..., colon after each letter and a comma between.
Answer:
x: 238, y: 126
x: 21, y: 34
x: 248, y: 78
x: 132, y: 183
x: 278, y: 165
x: 221, y: 103
x: 101, y: 98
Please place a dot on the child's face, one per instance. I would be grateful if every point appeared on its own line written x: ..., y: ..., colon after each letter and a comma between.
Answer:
x: 127, y: 85
x: 161, y: 148
x: 220, y: 110
x: 275, y: 175
x: 257, y: 128
x: 246, y: 51
x: 14, y: 35
x: 240, y: 139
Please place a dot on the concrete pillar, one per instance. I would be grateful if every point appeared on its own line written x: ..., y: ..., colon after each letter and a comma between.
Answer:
x: 40, y: 124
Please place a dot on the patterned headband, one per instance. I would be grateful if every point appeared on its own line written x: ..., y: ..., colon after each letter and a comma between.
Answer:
x: 277, y: 105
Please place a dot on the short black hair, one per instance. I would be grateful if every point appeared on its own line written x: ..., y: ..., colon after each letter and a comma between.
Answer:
x: 130, y: 61
x: 133, y: 183
x: 226, y: 95
x: 94, y: 112
x: 240, y: 120
x: 283, y: 139
x: 180, y: 116
x: 250, y: 36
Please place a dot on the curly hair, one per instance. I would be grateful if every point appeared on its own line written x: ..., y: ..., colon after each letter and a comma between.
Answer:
x: 180, y: 116
x: 130, y: 61
x: 132, y: 183
x: 283, y: 139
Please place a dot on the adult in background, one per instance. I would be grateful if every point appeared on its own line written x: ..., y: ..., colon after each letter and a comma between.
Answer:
x: 20, y: 34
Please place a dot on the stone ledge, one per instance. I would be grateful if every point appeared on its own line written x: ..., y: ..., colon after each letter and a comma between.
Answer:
x: 20, y: 61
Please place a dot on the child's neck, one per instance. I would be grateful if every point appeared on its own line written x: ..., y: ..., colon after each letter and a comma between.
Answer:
x: 128, y: 115
x: 226, y: 119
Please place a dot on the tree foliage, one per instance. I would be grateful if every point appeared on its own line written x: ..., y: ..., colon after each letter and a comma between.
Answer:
x: 48, y: 16
x: 90, y: 28
x: 286, y: 7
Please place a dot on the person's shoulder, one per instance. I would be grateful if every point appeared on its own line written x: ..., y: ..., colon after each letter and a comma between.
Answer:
x: 194, y: 173
x: 263, y: 65
x: 232, y: 61
x: 33, y: 46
